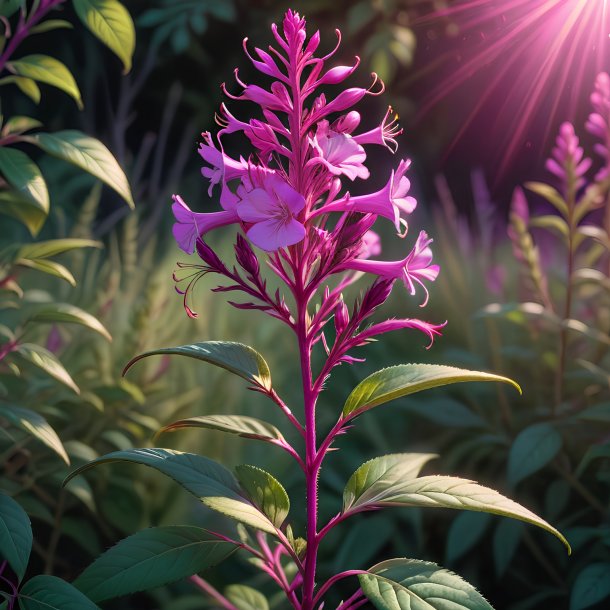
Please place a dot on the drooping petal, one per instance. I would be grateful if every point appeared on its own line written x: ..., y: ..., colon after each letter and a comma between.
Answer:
x: 272, y: 234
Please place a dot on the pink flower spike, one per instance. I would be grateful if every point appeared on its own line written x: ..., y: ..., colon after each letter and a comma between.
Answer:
x: 413, y: 269
x: 339, y: 153
x: 190, y: 225
x: 384, y: 135
x: 271, y: 208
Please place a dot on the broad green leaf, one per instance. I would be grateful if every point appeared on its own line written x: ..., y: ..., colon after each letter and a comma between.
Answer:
x: 151, y: 558
x: 24, y: 210
x: 48, y: 70
x: 23, y: 174
x: 266, y: 492
x: 20, y: 124
x: 552, y: 195
x: 48, y: 362
x: 505, y: 542
x: 444, y: 492
x: 68, y: 314
x: 242, y: 425
x: 371, y: 480
x: 465, y: 532
x: 593, y: 453
x: 209, y: 481
x: 111, y: 22
x: 87, y: 153
x: 53, y: 247
x: 51, y: 24
x: 234, y: 357
x: 35, y: 424
x: 246, y: 598
x: 409, y: 584
x: 15, y: 535
x: 592, y: 585
x: 533, y: 449
x: 52, y: 593
x: 26, y: 86
x: 50, y: 267
x: 404, y: 379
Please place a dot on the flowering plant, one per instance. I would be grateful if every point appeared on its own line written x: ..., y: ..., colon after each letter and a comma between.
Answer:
x: 288, y: 200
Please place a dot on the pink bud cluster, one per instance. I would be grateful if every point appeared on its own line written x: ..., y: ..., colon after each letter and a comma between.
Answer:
x: 289, y: 197
x: 598, y: 123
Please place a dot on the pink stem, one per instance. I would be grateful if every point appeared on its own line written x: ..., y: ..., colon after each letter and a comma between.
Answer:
x: 333, y: 579
x: 207, y: 588
x: 350, y: 604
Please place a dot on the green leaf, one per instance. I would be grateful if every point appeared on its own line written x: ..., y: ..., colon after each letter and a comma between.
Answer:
x: 48, y: 70
x: 505, y: 542
x: 20, y: 124
x: 533, y: 449
x: 53, y: 247
x: 52, y: 593
x: 23, y: 174
x: 151, y: 558
x: 242, y: 425
x: 246, y: 598
x: 404, y: 379
x: 35, y: 424
x: 25, y: 210
x: 50, y: 25
x: 371, y: 479
x: 409, y: 584
x: 15, y: 535
x: 209, y: 481
x: 26, y: 86
x: 266, y: 492
x: 87, y: 153
x: 465, y: 532
x: 591, y: 586
x: 68, y: 314
x: 49, y: 267
x: 552, y: 223
x: 441, y: 492
x: 8, y: 7
x: 240, y: 359
x: 551, y: 194
x: 447, y: 412
x: 48, y: 362
x: 593, y: 453
x: 111, y: 23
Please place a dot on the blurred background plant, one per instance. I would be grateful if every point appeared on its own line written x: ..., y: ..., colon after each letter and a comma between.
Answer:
x: 87, y: 267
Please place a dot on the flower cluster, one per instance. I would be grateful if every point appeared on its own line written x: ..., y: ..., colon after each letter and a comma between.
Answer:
x: 598, y: 123
x: 289, y: 195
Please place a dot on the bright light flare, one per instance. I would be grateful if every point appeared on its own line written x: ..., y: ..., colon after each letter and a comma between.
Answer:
x: 541, y: 55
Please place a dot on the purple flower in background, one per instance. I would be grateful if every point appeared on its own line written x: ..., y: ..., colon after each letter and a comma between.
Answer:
x: 568, y: 162
x: 598, y: 122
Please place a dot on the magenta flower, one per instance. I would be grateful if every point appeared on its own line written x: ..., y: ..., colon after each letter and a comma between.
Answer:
x: 568, y: 162
x: 413, y: 269
x: 391, y: 202
x: 339, y: 153
x: 223, y: 168
x: 598, y: 122
x: 271, y: 208
x: 190, y: 225
x: 384, y: 135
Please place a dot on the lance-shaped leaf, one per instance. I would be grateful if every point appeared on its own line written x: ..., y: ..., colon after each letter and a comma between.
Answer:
x: 151, y: 558
x: 246, y: 598
x: 15, y: 535
x: 53, y: 247
x: 48, y: 70
x: 48, y: 362
x: 371, y: 480
x: 87, y: 153
x: 35, y: 424
x: 552, y: 195
x: 242, y: 425
x: 68, y: 314
x: 234, y: 357
x: 51, y: 593
x: 49, y: 267
x: 19, y: 124
x: 409, y: 584
x: 207, y: 480
x: 396, y: 381
x: 27, y: 86
x: 444, y: 492
x: 111, y: 23
x: 266, y: 492
x: 23, y: 174
x: 24, y: 210
x: 591, y: 586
